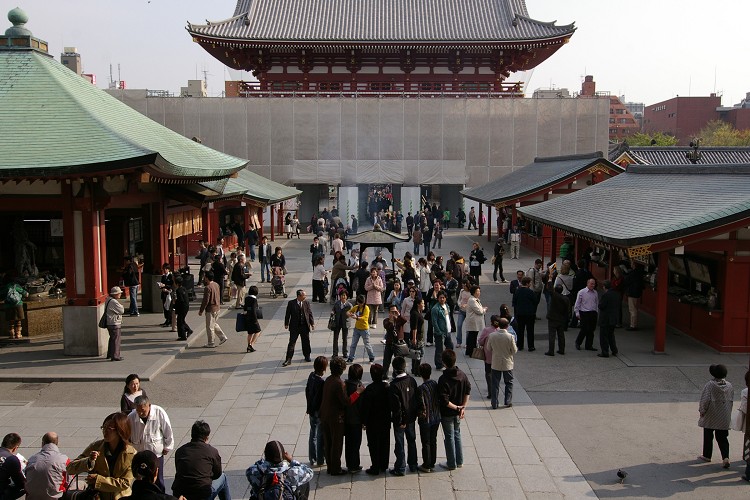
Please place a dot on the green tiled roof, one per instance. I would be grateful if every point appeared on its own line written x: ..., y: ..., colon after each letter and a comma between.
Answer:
x: 650, y: 203
x: 55, y: 123
x: 536, y: 176
x: 254, y: 186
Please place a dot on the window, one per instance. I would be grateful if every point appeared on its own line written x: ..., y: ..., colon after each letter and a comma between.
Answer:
x: 284, y: 85
x: 430, y: 87
x: 380, y: 87
x: 475, y: 87
x: 329, y: 87
x: 611, y: 120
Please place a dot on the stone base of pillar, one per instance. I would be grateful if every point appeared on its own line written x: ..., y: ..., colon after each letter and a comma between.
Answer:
x: 410, y: 201
x: 81, y: 333
x: 348, y: 204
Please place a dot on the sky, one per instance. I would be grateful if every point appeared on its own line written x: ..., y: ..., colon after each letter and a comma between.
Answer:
x: 646, y: 50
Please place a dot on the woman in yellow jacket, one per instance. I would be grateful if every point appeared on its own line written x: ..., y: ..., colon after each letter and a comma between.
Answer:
x: 113, y: 453
x: 361, y: 315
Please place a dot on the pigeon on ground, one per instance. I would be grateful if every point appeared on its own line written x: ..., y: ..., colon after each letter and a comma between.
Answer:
x: 622, y: 475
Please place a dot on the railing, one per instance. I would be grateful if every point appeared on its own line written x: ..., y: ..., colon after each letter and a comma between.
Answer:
x: 380, y: 89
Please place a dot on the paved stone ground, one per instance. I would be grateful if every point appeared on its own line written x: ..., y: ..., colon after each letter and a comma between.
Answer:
x: 578, y: 413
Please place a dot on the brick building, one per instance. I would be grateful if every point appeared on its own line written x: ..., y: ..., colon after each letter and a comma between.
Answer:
x: 621, y: 122
x: 682, y: 117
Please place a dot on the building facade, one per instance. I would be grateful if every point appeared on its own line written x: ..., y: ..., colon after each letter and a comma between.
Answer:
x: 682, y: 117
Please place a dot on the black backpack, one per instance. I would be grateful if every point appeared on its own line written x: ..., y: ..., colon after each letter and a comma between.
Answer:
x: 275, y: 487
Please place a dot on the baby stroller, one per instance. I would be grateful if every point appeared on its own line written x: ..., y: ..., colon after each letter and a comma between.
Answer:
x: 278, y: 282
x: 341, y: 285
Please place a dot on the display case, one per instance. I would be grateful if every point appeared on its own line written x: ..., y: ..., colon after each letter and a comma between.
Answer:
x: 692, y: 280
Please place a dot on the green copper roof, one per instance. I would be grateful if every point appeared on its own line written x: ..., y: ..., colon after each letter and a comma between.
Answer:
x: 259, y: 188
x: 55, y: 123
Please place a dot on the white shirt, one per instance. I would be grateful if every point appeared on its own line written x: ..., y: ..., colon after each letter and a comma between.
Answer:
x: 154, y: 435
x: 319, y: 272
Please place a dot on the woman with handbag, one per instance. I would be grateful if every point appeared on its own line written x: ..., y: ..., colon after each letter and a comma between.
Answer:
x: 474, y: 322
x: 339, y: 322
x: 251, y: 317
x: 107, y: 461
x: 416, y: 337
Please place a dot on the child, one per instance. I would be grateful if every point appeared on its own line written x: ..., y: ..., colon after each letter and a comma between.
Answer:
x: 314, y: 396
x: 353, y: 422
x: 428, y: 416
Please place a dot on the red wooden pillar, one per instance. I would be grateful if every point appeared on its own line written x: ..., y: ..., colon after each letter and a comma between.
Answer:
x: 273, y: 233
x: 489, y: 222
x: 261, y: 212
x: 513, y: 217
x: 159, y: 236
x: 662, y: 284
x: 206, y: 223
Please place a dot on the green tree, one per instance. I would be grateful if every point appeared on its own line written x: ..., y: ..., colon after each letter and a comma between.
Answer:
x: 720, y: 133
x: 655, y: 139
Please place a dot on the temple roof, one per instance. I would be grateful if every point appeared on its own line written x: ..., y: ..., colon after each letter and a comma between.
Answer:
x: 377, y: 21
x: 252, y: 186
x: 55, y: 123
x: 535, y: 177
x: 675, y: 155
x: 654, y: 203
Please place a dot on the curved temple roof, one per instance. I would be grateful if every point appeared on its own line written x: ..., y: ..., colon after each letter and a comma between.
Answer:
x: 373, y: 21
x: 55, y: 123
x: 649, y: 204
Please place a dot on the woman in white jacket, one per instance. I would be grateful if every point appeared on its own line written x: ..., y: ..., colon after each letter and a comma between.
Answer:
x: 474, y: 321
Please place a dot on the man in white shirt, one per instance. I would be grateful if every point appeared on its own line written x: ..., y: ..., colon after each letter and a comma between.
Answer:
x: 515, y: 242
x: 151, y: 430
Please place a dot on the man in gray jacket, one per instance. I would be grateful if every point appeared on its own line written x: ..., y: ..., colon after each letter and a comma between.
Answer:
x: 45, y: 472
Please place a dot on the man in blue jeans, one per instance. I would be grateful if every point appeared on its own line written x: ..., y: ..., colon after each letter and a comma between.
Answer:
x: 439, y: 316
x: 402, y: 390
x: 264, y: 256
x: 453, y: 393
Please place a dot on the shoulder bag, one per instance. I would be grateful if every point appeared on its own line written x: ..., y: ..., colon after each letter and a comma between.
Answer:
x: 103, y: 319
x: 332, y: 321
x: 240, y: 324
x: 259, y: 312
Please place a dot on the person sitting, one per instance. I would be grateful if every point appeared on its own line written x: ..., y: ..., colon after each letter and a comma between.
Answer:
x: 145, y: 468
x: 278, y: 471
x: 198, y: 473
x: 45, y: 472
x: 12, y: 480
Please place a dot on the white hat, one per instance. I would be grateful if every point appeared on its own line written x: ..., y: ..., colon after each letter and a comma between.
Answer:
x: 115, y: 290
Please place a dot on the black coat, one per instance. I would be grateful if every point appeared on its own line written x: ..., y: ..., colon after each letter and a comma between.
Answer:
x: 609, y: 308
x: 146, y: 490
x: 251, y: 314
x: 375, y: 407
x: 298, y: 318
x: 403, y: 391
x: 182, y: 301
x: 559, y: 308
x: 339, y: 313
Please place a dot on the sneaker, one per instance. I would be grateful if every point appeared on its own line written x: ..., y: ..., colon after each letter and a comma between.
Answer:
x: 497, y: 282
x: 395, y: 472
x: 382, y: 341
x: 504, y: 281
x: 704, y: 459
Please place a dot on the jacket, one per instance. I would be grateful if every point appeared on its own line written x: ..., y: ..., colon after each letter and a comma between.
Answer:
x: 10, y: 469
x: 537, y: 283
x: 130, y: 275
x: 403, y: 392
x: 476, y: 259
x: 314, y: 393
x: 524, y: 302
x: 559, y: 308
x: 110, y: 487
x: 363, y: 317
x: 240, y: 274
x: 114, y: 312
x: 715, y: 407
x: 197, y: 463
x: 439, y: 320
x: 609, y: 308
x: 352, y: 411
x: 474, y: 321
x: 45, y: 473
x: 634, y: 283
x: 453, y: 387
x: 182, y: 301
x: 155, y: 434
x: 295, y: 474
x: 373, y: 288
x: 211, y: 298
x: 335, y: 401
x: 340, y: 311
x: 417, y: 237
x: 375, y: 409
x: 482, y: 341
x: 503, y: 348
x: 428, y: 405
x: 339, y: 270
x: 298, y: 318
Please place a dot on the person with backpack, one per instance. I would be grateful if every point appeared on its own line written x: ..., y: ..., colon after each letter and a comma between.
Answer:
x: 13, y: 294
x: 278, y: 476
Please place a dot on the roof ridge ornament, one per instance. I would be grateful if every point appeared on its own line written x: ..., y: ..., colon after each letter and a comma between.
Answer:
x: 19, y: 18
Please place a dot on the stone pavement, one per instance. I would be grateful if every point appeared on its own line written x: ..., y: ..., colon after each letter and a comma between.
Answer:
x: 509, y: 453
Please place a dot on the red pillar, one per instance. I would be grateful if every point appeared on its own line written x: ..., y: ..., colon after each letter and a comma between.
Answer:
x: 662, y: 283
x: 553, y: 255
x: 206, y: 223
x: 159, y: 236
x: 261, y: 211
x: 273, y: 233
x: 513, y: 217
x: 489, y: 222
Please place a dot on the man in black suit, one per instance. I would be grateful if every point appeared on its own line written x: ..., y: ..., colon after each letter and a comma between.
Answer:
x: 316, y: 250
x: 609, y: 313
x: 300, y: 322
